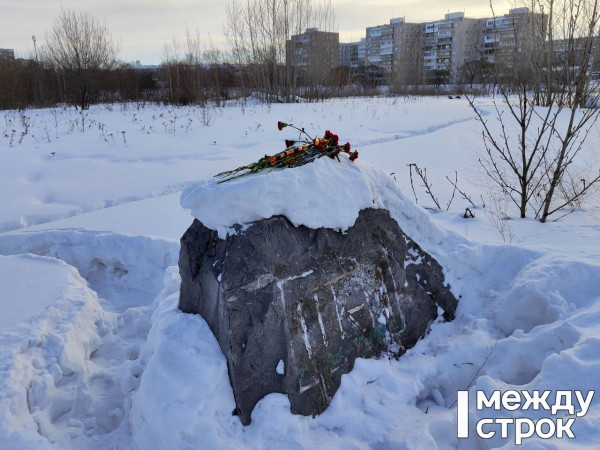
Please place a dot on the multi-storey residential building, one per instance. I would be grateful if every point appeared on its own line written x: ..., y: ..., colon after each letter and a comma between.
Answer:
x: 510, y: 33
x: 573, y: 53
x: 411, y: 53
x: 396, y: 49
x: 379, y: 46
x: 449, y: 43
x: 349, y: 54
x: 362, y: 52
x: 595, y: 65
x: 314, y: 52
x: 408, y: 54
x: 7, y: 53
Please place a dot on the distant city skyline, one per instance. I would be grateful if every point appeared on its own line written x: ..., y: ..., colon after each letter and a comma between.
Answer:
x: 144, y: 26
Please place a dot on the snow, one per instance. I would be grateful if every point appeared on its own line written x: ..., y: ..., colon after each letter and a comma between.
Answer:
x: 45, y: 349
x: 325, y: 194
x: 94, y: 353
x: 23, y: 299
x: 280, y: 369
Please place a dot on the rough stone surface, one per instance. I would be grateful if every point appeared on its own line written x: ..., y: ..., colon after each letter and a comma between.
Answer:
x: 293, y: 307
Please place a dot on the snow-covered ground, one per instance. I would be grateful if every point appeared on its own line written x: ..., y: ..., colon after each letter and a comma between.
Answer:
x: 95, y: 354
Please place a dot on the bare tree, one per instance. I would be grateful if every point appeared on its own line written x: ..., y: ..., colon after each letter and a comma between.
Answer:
x: 80, y: 46
x: 257, y: 31
x: 538, y: 126
x: 172, y: 64
x: 195, y: 71
x: 577, y: 24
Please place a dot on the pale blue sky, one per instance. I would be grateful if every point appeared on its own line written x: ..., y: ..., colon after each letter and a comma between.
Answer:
x: 144, y: 26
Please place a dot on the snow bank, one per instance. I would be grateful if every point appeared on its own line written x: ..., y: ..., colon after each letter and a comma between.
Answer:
x: 115, y: 265
x: 323, y: 194
x: 23, y: 298
x: 46, y: 346
x: 69, y: 361
x: 184, y: 395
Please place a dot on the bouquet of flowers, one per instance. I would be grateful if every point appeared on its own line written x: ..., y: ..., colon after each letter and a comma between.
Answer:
x: 297, y: 153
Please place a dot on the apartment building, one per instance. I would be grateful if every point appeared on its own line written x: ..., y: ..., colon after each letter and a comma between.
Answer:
x: 595, y: 65
x: 449, y: 43
x: 379, y: 46
x: 412, y: 53
x: 394, y: 47
x: 362, y: 52
x: 510, y: 33
x: 349, y: 54
x: 408, y: 54
x: 7, y: 53
x: 313, y: 50
x: 573, y: 53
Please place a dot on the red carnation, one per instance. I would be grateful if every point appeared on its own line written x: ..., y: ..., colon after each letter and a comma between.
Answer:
x: 347, y: 147
x: 289, y: 143
x: 281, y: 125
x: 332, y: 137
x: 354, y: 155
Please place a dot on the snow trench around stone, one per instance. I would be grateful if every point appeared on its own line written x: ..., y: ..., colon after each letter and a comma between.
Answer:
x: 70, y: 370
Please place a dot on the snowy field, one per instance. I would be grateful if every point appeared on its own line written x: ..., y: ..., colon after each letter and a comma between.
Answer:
x: 94, y: 353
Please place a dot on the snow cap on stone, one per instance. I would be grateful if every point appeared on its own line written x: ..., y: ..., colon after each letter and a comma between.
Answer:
x: 323, y: 194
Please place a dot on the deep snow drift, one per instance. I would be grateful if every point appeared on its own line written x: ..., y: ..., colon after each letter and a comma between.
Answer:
x: 95, y: 354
